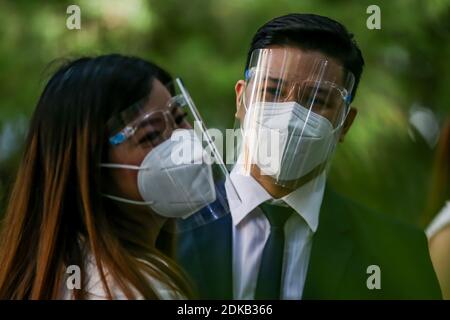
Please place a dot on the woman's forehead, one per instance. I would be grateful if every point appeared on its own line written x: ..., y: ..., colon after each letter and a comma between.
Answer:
x: 158, y: 97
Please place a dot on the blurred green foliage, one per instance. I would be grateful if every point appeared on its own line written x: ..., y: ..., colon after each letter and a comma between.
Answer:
x: 206, y: 42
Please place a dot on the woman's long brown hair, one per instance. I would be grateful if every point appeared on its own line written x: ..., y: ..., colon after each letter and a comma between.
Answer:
x: 55, y: 208
x: 439, y: 190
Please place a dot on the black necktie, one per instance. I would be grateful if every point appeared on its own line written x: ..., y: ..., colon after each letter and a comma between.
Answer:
x: 269, y: 276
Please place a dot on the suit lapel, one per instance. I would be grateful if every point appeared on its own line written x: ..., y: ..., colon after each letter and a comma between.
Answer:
x: 331, y: 250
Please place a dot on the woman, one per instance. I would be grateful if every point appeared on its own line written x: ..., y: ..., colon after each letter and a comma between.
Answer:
x: 438, y: 231
x: 58, y: 215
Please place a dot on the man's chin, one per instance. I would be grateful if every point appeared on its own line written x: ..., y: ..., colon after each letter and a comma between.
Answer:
x: 279, y: 188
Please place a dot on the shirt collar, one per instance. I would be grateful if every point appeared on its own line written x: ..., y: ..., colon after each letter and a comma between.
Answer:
x: 306, y: 200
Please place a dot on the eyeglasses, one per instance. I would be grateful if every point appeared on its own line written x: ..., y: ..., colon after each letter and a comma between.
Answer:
x: 145, y: 127
x: 322, y: 97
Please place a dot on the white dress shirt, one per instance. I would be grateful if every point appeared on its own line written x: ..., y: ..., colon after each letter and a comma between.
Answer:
x: 251, y: 230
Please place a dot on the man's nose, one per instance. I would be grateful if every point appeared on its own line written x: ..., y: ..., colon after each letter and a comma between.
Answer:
x: 293, y: 94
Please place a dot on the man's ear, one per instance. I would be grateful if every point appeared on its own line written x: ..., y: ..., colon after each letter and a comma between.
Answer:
x: 239, y: 89
x: 348, y: 123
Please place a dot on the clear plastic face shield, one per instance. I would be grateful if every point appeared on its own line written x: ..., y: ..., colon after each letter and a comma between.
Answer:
x: 292, y: 110
x: 163, y: 158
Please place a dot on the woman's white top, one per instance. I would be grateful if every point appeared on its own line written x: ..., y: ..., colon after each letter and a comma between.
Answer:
x: 95, y: 291
x: 439, y: 222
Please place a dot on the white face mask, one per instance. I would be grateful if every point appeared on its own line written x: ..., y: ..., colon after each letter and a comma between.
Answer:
x: 290, y: 141
x: 173, y: 189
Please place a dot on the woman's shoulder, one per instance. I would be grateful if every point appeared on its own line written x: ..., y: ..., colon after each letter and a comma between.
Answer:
x: 95, y: 290
x: 163, y: 289
x: 439, y: 222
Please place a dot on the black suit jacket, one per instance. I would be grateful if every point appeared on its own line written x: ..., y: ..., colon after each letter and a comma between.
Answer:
x: 348, y: 240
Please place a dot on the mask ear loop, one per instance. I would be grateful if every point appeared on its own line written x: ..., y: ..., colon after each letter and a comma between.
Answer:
x: 337, y: 130
x: 120, y: 166
x: 120, y: 199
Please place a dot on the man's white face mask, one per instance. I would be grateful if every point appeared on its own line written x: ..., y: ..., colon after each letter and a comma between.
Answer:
x: 171, y: 185
x: 286, y: 140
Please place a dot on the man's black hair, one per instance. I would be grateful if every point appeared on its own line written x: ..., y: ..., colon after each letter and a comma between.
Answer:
x: 312, y: 32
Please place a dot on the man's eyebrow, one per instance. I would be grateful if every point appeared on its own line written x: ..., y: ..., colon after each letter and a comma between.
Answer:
x: 319, y: 89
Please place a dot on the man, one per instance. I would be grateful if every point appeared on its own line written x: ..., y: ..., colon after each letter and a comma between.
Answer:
x: 287, y: 237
